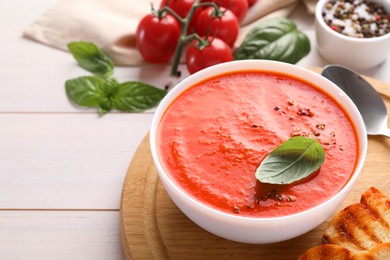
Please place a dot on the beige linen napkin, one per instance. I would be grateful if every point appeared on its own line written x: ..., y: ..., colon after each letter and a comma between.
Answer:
x: 111, y: 24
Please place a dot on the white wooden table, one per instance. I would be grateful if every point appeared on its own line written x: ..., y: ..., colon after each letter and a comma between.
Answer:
x: 62, y: 168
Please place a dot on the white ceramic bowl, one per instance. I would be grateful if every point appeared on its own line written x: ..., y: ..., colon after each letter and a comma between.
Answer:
x: 355, y: 53
x: 249, y: 229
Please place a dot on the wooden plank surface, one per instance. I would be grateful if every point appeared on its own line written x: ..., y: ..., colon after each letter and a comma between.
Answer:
x: 152, y: 227
x: 60, y: 235
x: 66, y: 161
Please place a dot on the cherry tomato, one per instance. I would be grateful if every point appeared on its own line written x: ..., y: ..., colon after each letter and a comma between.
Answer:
x: 181, y: 7
x: 224, y: 27
x: 157, y: 38
x: 238, y: 7
x: 251, y: 2
x: 217, y: 51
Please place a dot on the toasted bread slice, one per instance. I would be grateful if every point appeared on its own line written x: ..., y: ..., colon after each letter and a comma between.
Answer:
x: 328, y: 252
x: 363, y: 225
x: 336, y: 252
x: 379, y: 252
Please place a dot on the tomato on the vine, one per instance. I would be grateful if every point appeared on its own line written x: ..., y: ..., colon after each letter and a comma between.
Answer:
x: 157, y: 37
x: 221, y: 23
x: 238, y: 7
x: 206, y: 53
x: 181, y: 7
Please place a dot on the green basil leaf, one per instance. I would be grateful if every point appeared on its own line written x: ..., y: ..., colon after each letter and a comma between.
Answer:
x: 136, y: 96
x: 109, y: 89
x: 86, y: 91
x: 105, y: 105
x: 91, y: 58
x: 293, y: 160
x: 274, y: 39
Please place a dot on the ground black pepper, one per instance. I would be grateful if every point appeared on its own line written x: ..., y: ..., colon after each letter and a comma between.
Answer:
x: 320, y: 126
x: 316, y: 133
x: 305, y: 112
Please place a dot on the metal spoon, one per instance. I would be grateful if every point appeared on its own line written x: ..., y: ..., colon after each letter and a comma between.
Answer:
x: 365, y: 97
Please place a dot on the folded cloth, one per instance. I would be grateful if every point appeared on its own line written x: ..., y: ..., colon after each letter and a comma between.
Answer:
x: 111, y: 24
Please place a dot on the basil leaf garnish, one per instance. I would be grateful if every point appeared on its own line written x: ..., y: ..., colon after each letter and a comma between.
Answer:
x: 293, y: 160
x: 86, y: 91
x: 274, y: 39
x: 91, y: 58
x: 136, y: 96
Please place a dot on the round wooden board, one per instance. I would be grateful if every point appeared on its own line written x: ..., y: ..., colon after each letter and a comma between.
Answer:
x: 152, y: 227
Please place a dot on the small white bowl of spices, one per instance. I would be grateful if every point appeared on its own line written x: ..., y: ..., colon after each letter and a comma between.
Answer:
x: 353, y: 33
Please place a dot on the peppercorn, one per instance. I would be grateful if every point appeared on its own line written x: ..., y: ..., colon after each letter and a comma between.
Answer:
x: 320, y: 126
x: 305, y: 112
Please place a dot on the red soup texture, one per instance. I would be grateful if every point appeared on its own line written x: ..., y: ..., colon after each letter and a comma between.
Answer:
x: 213, y: 137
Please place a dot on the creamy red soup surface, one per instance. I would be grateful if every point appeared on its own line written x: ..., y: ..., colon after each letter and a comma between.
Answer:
x: 213, y: 137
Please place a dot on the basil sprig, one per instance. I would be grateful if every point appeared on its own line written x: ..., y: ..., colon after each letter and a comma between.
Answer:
x: 102, y: 90
x: 293, y: 160
x: 274, y: 39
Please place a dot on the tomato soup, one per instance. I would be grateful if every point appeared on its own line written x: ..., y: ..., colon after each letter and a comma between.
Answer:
x: 213, y: 137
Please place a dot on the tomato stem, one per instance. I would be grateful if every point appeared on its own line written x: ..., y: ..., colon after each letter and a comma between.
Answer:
x: 217, y: 11
x: 173, y: 13
x: 203, y: 43
x: 185, y: 22
x: 158, y: 13
x: 180, y: 45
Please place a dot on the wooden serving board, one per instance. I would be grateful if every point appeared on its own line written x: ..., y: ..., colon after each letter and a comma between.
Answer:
x: 152, y: 227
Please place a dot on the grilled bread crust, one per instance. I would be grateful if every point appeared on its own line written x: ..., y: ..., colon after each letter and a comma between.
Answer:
x: 336, y: 252
x: 327, y: 251
x: 363, y: 225
x: 379, y: 252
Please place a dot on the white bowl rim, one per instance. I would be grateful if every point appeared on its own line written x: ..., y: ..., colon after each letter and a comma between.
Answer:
x: 318, y: 15
x: 243, y: 64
